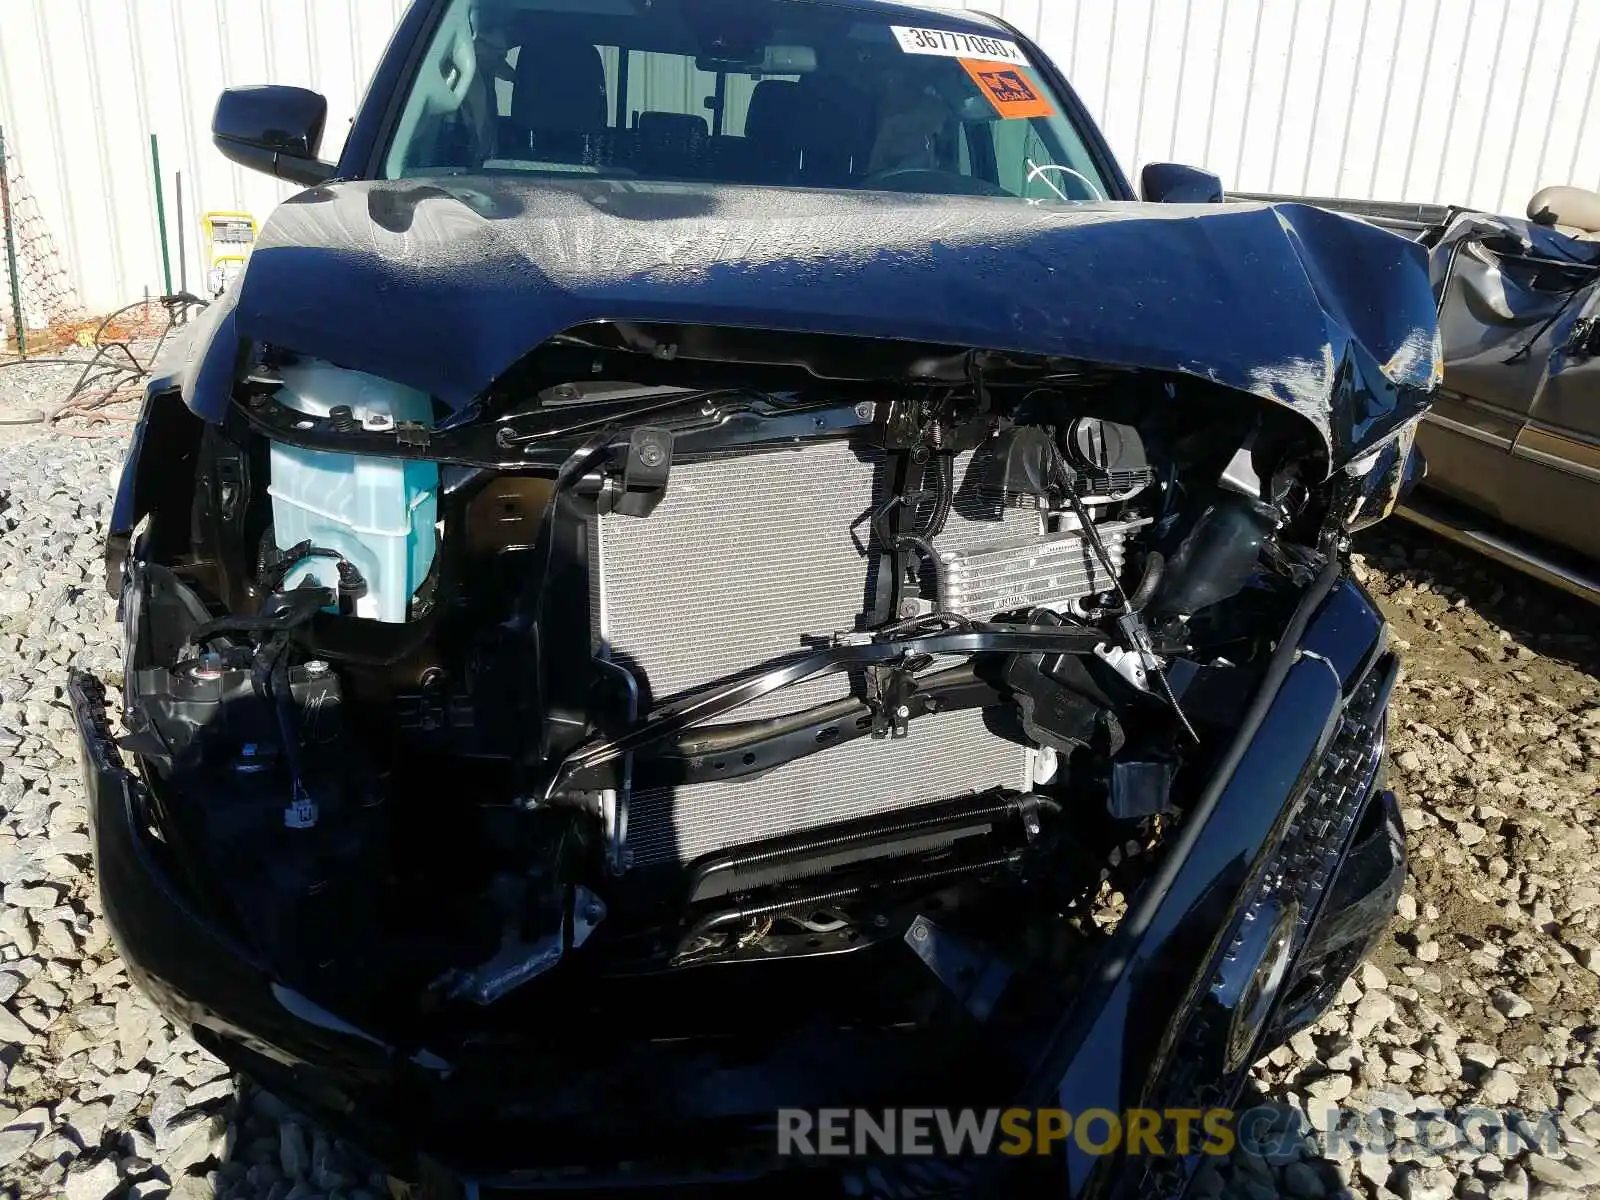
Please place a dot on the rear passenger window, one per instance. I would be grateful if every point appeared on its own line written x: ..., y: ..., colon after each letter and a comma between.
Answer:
x: 667, y: 83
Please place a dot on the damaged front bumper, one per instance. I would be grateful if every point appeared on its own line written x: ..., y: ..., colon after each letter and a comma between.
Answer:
x: 1294, y: 836
x: 204, y: 979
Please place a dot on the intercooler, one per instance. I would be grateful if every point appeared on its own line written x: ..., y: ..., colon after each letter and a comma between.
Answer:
x: 755, y: 557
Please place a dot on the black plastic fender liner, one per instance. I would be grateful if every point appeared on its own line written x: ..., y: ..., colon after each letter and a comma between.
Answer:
x: 1101, y: 1052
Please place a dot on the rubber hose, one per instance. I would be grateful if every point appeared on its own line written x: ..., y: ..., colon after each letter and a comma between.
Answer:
x: 946, y: 498
x: 1155, y: 567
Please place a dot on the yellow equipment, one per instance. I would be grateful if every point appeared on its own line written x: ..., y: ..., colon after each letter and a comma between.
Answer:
x: 228, y: 237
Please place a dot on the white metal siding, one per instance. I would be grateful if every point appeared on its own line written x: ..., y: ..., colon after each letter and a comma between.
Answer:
x: 1469, y: 101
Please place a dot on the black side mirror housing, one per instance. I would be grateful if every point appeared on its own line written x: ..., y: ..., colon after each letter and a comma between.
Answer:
x: 275, y: 129
x: 1174, y: 183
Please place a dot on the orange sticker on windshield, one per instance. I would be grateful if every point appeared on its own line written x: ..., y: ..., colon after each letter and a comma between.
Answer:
x: 1010, y: 89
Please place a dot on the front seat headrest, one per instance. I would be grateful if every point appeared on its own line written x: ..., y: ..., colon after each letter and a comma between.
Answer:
x: 560, y: 87
x: 1574, y: 207
x: 774, y: 115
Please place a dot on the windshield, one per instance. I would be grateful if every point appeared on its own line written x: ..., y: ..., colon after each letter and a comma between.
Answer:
x: 770, y: 92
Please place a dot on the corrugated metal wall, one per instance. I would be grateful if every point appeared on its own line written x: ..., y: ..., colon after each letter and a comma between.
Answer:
x: 84, y: 83
x: 1476, y: 102
x: 1471, y: 101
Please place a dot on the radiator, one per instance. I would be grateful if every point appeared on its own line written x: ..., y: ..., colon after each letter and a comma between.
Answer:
x: 755, y: 557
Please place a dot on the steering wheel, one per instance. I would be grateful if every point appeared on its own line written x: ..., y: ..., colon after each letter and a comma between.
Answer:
x: 931, y: 180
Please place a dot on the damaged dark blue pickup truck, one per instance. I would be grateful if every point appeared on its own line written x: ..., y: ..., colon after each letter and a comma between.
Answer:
x: 718, y: 561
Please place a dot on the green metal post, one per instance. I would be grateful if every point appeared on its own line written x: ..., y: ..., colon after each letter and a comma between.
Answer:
x: 161, y: 215
x: 11, y: 247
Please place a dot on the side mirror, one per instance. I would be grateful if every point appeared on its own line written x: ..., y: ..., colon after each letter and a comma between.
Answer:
x: 274, y: 129
x: 1174, y: 183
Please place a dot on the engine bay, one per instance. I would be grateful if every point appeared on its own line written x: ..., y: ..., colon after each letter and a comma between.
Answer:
x: 690, y: 648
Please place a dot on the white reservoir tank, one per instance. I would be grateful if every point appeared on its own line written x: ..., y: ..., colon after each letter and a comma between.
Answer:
x: 379, y: 514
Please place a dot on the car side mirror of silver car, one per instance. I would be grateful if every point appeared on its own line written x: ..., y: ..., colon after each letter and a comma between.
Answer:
x: 1174, y: 183
x: 275, y: 129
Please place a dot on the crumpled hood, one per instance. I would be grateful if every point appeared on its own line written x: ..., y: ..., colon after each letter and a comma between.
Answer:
x: 444, y: 285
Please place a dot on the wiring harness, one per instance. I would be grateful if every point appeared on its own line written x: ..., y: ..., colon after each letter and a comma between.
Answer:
x: 109, y: 376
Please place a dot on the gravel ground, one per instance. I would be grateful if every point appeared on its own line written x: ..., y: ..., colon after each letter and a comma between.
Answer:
x: 101, y: 1095
x: 35, y: 389
x: 28, y: 393
x: 1483, y: 995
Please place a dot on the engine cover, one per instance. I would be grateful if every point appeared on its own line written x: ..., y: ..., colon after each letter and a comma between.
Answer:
x: 756, y: 557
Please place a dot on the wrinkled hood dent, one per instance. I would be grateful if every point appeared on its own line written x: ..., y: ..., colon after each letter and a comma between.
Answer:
x: 443, y: 286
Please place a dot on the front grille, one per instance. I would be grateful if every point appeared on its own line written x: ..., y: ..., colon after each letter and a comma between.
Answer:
x: 756, y: 557
x: 1315, y: 838
x: 1320, y: 831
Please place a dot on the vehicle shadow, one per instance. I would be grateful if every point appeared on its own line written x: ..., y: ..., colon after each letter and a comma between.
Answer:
x: 1280, y: 1156
x: 1543, y: 619
x: 272, y: 1152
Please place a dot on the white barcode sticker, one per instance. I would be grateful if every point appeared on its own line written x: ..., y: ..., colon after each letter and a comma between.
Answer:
x: 946, y: 44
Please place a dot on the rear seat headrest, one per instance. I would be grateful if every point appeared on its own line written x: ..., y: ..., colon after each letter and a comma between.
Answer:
x: 671, y: 125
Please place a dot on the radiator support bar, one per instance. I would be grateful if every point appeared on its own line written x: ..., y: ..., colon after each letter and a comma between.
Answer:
x: 719, y: 699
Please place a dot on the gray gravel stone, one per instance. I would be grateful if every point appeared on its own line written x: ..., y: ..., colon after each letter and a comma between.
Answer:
x: 1427, y: 1183
x: 294, y: 1156
x: 12, y: 1030
x: 1299, y: 1179
x: 1499, y: 1087
x: 31, y: 897
x: 22, y: 1131
x: 93, y: 1182
x: 89, y: 1124
x: 204, y: 1139
x: 1513, y: 1185
x: 1371, y: 1011
x: 1511, y: 1005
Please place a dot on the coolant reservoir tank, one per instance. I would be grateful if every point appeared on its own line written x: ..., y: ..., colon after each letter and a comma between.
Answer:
x: 378, y: 514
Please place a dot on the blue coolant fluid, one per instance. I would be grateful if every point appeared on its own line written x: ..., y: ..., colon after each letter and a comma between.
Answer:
x: 379, y: 514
